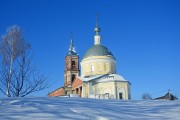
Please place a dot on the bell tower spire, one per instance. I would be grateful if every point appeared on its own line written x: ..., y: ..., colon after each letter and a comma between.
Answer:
x: 71, y: 67
x: 72, y: 50
x: 97, y: 37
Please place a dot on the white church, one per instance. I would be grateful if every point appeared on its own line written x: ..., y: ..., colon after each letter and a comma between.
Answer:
x: 95, y: 76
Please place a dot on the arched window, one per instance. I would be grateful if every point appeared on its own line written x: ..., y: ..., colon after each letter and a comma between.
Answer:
x: 72, y: 78
x: 73, y: 65
x: 92, y: 68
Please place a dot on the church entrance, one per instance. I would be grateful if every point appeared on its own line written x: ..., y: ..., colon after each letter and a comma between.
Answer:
x: 120, y: 96
x: 121, y: 93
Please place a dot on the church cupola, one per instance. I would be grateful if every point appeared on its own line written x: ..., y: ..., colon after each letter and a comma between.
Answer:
x: 97, y: 37
x: 98, y: 59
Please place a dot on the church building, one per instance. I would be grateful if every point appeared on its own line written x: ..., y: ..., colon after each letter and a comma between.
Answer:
x: 98, y: 78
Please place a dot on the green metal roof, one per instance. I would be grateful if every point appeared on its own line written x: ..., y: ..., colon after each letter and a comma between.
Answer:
x: 98, y: 50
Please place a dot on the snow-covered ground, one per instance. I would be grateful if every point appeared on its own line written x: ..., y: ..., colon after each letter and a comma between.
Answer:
x: 87, y: 109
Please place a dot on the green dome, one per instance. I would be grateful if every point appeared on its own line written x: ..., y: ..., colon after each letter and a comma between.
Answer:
x: 98, y: 50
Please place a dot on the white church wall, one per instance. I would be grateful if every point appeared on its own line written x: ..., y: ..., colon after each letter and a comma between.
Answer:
x: 100, y: 65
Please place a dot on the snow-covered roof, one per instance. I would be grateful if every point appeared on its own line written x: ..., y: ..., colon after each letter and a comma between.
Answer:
x: 168, y: 96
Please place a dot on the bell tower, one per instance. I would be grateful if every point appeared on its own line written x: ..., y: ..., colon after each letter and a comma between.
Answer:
x: 71, y: 66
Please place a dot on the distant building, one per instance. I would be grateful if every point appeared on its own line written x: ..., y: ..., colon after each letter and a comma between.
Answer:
x: 98, y: 77
x: 168, y: 96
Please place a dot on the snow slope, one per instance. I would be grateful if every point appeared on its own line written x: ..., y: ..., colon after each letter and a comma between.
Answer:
x: 87, y: 109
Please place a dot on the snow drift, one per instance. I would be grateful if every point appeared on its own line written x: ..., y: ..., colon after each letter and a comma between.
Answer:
x: 87, y: 109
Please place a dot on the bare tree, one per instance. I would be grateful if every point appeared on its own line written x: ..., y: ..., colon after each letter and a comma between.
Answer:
x: 146, y: 96
x: 9, y: 50
x: 18, y: 76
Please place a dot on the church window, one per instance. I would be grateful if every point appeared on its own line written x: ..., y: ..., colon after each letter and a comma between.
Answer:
x: 73, y: 64
x: 92, y: 68
x: 73, y: 77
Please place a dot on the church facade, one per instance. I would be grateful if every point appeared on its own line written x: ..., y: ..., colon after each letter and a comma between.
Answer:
x: 98, y: 78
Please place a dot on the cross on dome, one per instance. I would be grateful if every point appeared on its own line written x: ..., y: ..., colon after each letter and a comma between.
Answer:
x: 97, y: 28
x: 97, y: 37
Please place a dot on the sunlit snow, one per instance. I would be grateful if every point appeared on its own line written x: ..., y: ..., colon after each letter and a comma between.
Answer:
x: 87, y: 109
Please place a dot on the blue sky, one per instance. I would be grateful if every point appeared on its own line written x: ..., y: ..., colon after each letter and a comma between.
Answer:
x: 143, y: 35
